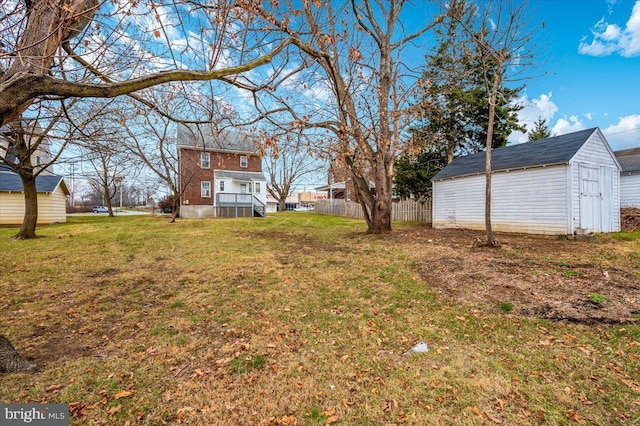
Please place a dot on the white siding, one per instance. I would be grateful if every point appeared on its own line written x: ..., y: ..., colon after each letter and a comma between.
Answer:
x: 529, y: 201
x: 595, y: 152
x: 630, y: 190
x: 51, y: 208
x: 459, y: 203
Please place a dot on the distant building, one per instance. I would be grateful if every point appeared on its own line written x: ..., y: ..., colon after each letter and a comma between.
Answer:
x: 221, y: 172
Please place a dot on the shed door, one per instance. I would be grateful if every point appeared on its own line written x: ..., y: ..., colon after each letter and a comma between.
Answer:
x: 590, y: 198
x: 606, y: 174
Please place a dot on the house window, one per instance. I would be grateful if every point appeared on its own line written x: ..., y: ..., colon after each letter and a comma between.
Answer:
x: 205, y: 160
x: 205, y: 189
x: 243, y: 161
x: 257, y: 187
x: 243, y: 188
x: 221, y: 185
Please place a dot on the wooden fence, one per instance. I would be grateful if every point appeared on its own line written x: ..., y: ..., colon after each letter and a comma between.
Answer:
x: 403, y: 211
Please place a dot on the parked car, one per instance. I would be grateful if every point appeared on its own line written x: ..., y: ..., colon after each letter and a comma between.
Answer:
x: 100, y: 209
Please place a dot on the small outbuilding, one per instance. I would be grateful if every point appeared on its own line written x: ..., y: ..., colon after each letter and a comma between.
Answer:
x: 629, y: 160
x: 52, y: 193
x: 567, y: 184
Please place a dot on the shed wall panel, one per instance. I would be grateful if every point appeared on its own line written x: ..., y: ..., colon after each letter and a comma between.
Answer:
x: 530, y: 201
x: 630, y: 190
x: 51, y: 208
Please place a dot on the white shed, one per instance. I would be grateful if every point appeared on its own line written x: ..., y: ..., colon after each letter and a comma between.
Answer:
x: 629, y: 177
x: 567, y: 184
x: 52, y: 193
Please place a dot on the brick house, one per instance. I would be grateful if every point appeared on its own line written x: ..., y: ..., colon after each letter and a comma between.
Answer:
x: 221, y: 173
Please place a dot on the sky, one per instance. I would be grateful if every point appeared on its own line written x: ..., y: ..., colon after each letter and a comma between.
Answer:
x: 588, y: 73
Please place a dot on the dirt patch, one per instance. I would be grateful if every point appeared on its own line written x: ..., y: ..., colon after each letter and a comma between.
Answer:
x: 630, y: 218
x: 588, y: 281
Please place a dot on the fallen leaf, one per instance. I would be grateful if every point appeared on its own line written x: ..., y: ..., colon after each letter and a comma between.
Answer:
x: 115, y: 409
x: 54, y: 388
x: 493, y: 418
x: 331, y: 420
x: 330, y: 411
x: 123, y: 394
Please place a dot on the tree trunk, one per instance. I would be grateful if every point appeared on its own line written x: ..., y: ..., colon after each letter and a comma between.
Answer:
x: 283, y: 204
x: 380, y: 217
x: 175, y: 207
x: 28, y: 228
x: 492, y: 112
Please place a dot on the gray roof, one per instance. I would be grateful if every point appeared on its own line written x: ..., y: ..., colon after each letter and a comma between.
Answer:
x: 241, y: 176
x: 207, y: 137
x: 629, y: 159
x: 543, y: 152
x: 11, y: 182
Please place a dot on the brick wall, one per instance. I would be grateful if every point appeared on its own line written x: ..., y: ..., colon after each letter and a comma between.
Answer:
x: 192, y: 174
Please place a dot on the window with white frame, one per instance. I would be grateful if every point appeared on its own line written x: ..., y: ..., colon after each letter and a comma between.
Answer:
x: 221, y: 185
x: 205, y: 189
x: 243, y: 161
x: 205, y: 160
x: 257, y: 187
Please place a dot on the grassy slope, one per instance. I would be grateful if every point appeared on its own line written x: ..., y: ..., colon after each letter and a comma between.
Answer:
x: 296, y: 317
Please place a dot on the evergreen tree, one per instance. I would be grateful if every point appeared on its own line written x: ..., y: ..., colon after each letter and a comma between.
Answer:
x: 540, y: 130
x: 414, y: 173
x: 453, y: 112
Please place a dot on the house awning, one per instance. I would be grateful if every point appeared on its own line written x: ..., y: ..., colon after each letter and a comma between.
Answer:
x: 239, y: 176
x: 337, y: 185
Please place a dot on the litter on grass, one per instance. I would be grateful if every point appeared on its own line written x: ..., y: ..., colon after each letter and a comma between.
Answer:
x: 420, y: 348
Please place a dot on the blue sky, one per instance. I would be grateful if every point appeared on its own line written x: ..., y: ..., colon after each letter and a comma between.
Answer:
x: 589, y: 69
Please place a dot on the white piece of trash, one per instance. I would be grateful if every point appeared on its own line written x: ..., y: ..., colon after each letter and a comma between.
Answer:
x: 420, y: 348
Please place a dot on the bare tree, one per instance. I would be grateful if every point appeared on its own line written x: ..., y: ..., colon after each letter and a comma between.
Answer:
x: 89, y: 48
x: 288, y: 158
x: 353, y: 64
x: 503, y: 38
x: 27, y: 149
x: 100, y: 142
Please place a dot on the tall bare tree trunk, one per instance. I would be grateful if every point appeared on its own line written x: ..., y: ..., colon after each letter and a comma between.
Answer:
x: 492, y: 113
x: 28, y: 228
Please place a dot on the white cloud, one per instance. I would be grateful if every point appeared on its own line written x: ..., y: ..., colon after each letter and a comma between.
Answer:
x: 610, y: 38
x: 567, y: 125
x: 625, y: 133
x: 541, y: 107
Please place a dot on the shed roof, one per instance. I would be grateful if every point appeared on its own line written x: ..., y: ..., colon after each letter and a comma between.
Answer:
x: 629, y: 159
x: 207, y: 137
x: 11, y: 182
x: 543, y: 152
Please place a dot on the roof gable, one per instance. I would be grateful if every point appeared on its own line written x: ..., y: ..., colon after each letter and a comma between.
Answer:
x: 629, y: 159
x: 544, y: 152
x: 207, y: 137
x: 11, y: 182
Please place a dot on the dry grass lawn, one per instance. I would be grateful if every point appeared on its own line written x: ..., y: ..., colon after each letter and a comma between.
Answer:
x: 303, y: 319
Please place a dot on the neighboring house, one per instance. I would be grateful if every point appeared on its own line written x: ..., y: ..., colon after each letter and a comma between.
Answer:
x: 41, y: 156
x: 52, y: 190
x: 629, y: 177
x: 221, y: 173
x: 52, y: 193
x: 567, y: 184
